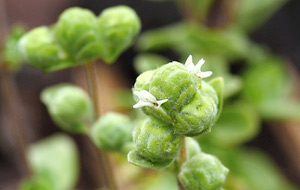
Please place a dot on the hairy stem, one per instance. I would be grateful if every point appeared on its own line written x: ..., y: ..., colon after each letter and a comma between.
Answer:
x: 93, y: 86
x: 182, y: 158
x: 182, y: 155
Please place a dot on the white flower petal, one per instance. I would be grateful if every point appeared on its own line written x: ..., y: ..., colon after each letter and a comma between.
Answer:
x: 197, y: 68
x: 160, y: 102
x: 189, y: 61
x: 148, y: 96
x: 199, y: 65
x: 141, y: 104
x: 144, y: 95
x: 205, y: 74
x: 147, y: 99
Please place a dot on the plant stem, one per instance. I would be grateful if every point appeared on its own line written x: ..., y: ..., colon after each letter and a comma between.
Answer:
x: 186, y: 7
x: 16, y: 118
x: 12, y: 101
x: 93, y: 86
x: 182, y: 158
x: 182, y: 155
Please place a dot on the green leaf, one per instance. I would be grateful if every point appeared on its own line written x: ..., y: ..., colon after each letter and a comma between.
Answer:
x: 249, y: 169
x: 237, y: 124
x: 162, y: 38
x: 257, y: 171
x: 281, y: 110
x: 218, y: 85
x: 145, y: 62
x: 135, y: 159
x: 55, y: 159
x: 252, y: 13
x: 266, y: 81
x: 187, y: 38
x: 232, y: 85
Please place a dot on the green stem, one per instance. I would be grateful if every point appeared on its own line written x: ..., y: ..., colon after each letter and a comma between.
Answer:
x: 182, y: 158
x: 182, y: 155
x: 93, y: 86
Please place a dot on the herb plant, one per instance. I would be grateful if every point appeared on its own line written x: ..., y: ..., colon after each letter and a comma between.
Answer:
x: 177, y: 107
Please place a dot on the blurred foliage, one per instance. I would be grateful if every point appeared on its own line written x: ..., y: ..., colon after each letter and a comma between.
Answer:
x: 145, y: 62
x: 257, y: 86
x: 55, y: 164
x: 10, y: 55
x: 163, y: 180
x: 237, y: 124
x: 249, y: 169
x: 250, y: 14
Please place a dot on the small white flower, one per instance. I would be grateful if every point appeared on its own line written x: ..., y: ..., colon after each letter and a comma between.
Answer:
x: 197, y: 68
x: 147, y: 99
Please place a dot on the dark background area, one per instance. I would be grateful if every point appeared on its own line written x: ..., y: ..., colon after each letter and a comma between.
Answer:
x: 281, y: 34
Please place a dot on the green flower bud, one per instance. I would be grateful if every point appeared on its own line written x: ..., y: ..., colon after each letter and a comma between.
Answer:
x: 69, y: 107
x: 155, y: 141
x: 200, y: 114
x: 192, y: 147
x: 172, y: 82
x: 111, y: 131
x: 39, y: 49
x: 76, y: 31
x: 175, y: 83
x: 118, y: 27
x: 142, y: 81
x: 176, y: 94
x: 203, y: 172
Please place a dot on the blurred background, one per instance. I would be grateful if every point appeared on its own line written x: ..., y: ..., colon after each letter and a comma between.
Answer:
x: 246, y: 40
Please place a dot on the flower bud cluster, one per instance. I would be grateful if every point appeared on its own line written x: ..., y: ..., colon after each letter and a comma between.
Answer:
x: 112, y: 131
x: 203, y: 172
x: 69, y: 107
x: 177, y: 102
x: 80, y: 36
